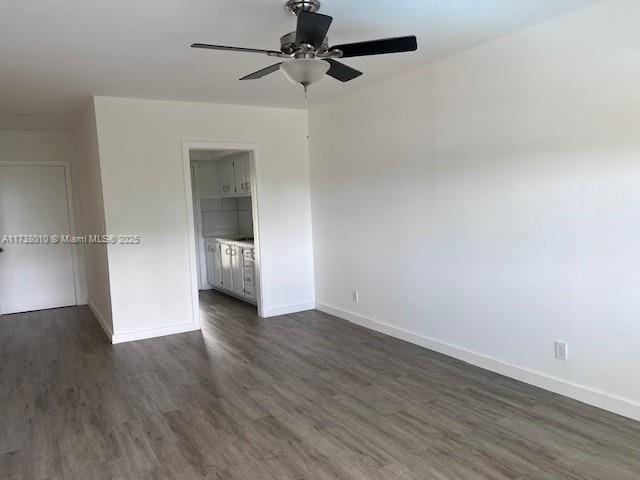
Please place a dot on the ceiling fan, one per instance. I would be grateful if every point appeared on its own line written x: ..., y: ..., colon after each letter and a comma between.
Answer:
x: 309, y: 56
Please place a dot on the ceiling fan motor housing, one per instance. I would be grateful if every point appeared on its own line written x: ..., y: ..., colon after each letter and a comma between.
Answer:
x: 297, y: 6
x: 289, y: 45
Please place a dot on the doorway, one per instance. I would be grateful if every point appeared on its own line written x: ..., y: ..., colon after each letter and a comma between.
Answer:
x: 224, y: 214
x: 37, y: 267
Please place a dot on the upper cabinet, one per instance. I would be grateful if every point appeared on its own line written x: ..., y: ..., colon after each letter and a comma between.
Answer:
x: 227, y: 177
x: 208, y: 176
x: 242, y: 177
x: 235, y: 176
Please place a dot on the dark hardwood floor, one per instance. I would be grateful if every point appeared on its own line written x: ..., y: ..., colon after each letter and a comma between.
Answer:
x: 303, y: 396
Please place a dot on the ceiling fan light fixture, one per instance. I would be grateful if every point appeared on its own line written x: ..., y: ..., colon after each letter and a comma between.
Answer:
x: 305, y: 71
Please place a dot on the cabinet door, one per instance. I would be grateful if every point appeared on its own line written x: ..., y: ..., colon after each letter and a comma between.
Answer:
x: 216, y: 266
x: 241, y: 171
x: 236, y: 265
x: 227, y: 178
x: 247, y: 176
x: 209, y: 257
x: 225, y: 263
x: 249, y: 274
x: 208, y: 179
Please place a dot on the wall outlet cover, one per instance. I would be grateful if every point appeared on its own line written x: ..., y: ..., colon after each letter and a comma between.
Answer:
x: 562, y: 351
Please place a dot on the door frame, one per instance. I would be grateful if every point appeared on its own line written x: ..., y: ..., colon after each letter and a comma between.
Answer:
x: 197, y: 218
x: 70, y: 213
x: 253, y: 150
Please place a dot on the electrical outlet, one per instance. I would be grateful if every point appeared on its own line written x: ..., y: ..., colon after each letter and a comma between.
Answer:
x: 355, y: 295
x: 562, y: 351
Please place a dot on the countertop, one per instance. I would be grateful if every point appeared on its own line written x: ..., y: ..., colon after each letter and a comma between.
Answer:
x: 232, y: 239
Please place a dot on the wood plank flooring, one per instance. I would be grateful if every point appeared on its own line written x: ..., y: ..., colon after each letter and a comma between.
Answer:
x: 304, y: 396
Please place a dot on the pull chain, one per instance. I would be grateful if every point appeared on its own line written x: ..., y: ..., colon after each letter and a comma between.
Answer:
x: 306, y: 105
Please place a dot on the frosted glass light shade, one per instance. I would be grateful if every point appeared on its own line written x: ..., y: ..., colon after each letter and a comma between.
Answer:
x: 304, y: 71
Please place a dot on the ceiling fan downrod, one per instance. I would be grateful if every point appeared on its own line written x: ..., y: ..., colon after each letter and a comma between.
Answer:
x: 297, y: 6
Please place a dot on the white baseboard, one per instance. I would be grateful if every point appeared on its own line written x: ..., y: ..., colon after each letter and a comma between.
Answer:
x: 101, y: 320
x: 139, y: 334
x: 154, y: 332
x: 583, y: 394
x: 286, y: 309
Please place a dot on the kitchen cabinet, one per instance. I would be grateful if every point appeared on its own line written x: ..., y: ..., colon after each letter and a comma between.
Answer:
x: 241, y: 175
x: 236, y: 269
x: 226, y: 266
x: 214, y: 264
x: 208, y: 176
x: 234, y: 272
x: 249, y: 273
x: 234, y: 177
x: 227, y: 178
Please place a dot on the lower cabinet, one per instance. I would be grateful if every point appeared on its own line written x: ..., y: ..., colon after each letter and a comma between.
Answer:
x: 249, y: 273
x: 231, y: 268
x: 214, y: 264
x: 227, y: 268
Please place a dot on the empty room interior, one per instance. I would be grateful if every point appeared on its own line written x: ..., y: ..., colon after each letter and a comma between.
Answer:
x: 320, y: 239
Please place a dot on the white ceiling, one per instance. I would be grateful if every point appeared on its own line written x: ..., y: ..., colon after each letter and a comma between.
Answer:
x: 54, y: 54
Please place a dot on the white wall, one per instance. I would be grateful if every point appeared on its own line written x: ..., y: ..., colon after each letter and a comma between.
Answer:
x: 489, y: 204
x: 87, y: 174
x: 144, y: 193
x: 34, y: 146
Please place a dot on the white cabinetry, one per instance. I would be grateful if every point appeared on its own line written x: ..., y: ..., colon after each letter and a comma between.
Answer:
x: 235, y: 179
x: 227, y: 178
x: 249, y: 273
x: 231, y: 268
x: 227, y: 268
x: 241, y: 175
x: 236, y: 269
x: 214, y: 263
x: 208, y: 177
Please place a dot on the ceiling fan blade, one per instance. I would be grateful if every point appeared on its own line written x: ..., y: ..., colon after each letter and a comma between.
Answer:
x: 234, y: 49
x: 262, y: 73
x: 312, y: 28
x: 341, y: 72
x: 378, y: 47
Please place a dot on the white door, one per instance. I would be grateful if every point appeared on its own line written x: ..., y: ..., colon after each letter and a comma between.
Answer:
x: 33, y: 201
